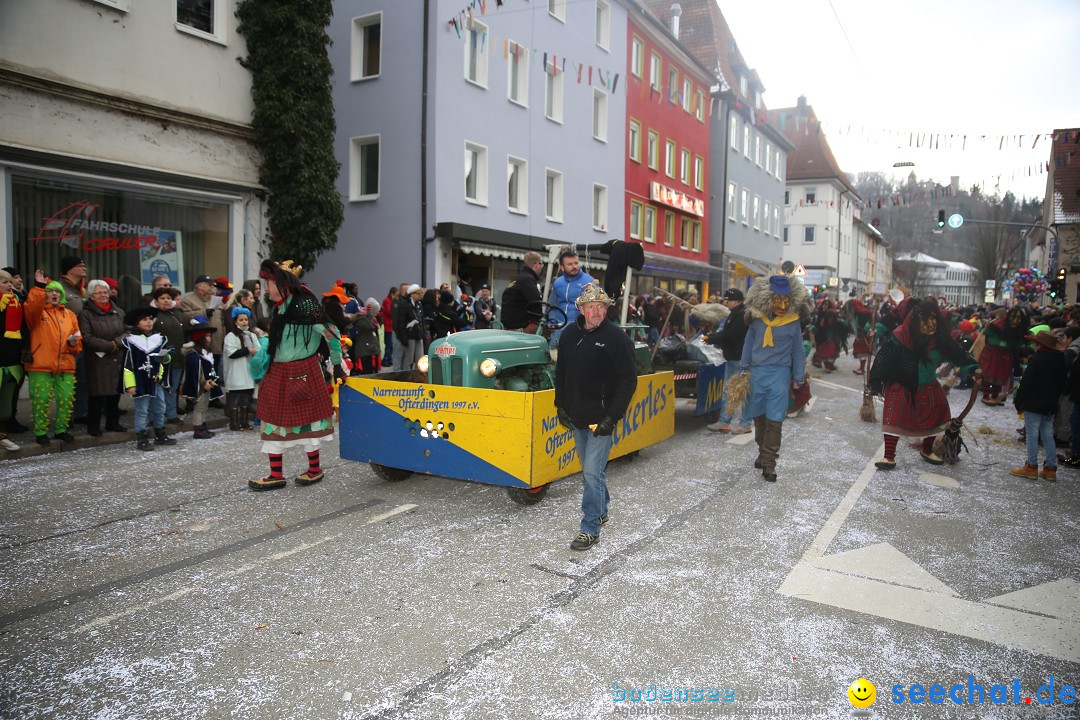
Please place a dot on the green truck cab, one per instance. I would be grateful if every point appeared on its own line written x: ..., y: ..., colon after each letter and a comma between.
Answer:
x: 490, y: 359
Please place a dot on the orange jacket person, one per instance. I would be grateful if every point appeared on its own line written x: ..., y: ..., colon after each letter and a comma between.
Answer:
x: 55, y: 340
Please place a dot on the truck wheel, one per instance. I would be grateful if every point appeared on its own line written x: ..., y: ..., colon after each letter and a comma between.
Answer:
x: 528, y: 496
x: 389, y: 473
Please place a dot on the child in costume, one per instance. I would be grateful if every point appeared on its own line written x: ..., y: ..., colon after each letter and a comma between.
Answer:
x: 1000, y: 358
x: 905, y: 372
x: 201, y: 381
x: 861, y: 318
x: 239, y: 346
x: 1043, y: 382
x: 146, y: 358
x: 773, y: 353
x: 294, y: 406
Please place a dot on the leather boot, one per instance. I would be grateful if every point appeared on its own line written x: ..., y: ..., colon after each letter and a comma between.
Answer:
x: 770, y: 449
x: 160, y: 438
x: 759, y: 437
x: 234, y: 417
x: 245, y: 423
x: 1049, y: 472
x: 144, y: 441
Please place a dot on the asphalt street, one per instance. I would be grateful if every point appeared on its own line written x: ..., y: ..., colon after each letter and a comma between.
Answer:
x: 156, y: 585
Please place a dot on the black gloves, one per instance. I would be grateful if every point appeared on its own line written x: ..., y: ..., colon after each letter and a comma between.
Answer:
x: 564, y: 419
x: 605, y: 427
x: 339, y: 375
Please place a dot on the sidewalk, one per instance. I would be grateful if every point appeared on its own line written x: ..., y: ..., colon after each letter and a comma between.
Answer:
x: 29, y: 447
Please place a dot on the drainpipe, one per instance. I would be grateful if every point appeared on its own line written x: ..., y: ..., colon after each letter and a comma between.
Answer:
x: 725, y: 280
x: 423, y: 149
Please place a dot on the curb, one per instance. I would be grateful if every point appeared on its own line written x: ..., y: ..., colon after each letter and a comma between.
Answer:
x: 30, y: 448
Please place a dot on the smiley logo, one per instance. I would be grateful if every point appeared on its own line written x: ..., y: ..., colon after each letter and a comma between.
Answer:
x: 862, y: 693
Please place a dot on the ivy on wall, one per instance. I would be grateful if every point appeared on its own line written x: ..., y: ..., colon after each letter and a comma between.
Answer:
x: 293, y: 119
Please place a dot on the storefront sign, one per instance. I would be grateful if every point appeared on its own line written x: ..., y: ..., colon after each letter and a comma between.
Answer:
x: 161, y: 257
x: 676, y: 199
x: 68, y: 226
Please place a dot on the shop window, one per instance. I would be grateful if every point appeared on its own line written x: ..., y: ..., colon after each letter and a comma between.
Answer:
x: 127, y: 234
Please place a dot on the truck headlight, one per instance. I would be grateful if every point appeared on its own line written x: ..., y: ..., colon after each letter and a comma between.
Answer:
x: 489, y: 367
x: 422, y: 364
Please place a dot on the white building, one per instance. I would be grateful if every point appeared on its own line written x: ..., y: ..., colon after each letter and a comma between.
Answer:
x: 127, y: 140
x: 957, y: 282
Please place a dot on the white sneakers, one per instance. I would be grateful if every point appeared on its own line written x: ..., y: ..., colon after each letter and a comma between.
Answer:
x: 8, y: 445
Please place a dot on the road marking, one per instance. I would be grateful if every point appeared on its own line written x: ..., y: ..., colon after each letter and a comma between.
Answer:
x: 943, y: 481
x: 826, y: 383
x: 234, y: 572
x: 391, y: 513
x: 744, y: 439
x: 835, y: 580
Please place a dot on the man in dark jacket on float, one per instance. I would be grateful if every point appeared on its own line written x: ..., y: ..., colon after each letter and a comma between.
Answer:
x: 521, y: 298
x: 595, y: 379
x: 730, y: 342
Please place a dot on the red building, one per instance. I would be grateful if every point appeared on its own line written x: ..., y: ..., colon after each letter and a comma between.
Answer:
x: 667, y: 155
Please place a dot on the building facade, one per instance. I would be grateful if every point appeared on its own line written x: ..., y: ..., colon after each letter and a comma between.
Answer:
x: 955, y: 283
x: 748, y: 154
x: 667, y: 158
x: 820, y: 205
x: 469, y: 138
x: 110, y: 153
x: 1061, y: 210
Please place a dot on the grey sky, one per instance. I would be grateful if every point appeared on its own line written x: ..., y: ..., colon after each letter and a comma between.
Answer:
x: 932, y: 66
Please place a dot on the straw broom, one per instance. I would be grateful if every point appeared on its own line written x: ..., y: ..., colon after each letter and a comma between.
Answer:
x: 867, y: 413
x: 738, y: 390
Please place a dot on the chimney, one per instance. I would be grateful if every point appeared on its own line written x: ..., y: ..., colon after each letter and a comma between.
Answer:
x: 676, y: 11
x: 800, y: 107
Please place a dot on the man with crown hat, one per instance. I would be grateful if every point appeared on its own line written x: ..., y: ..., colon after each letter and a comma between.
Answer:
x: 595, y: 378
x: 773, y: 354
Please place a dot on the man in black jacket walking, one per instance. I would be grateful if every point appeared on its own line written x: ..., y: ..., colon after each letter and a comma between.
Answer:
x: 595, y: 379
x: 730, y: 342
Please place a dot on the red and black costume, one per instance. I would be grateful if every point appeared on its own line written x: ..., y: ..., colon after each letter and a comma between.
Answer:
x: 1000, y: 358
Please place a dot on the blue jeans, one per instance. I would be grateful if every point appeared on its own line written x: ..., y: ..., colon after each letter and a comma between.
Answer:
x: 175, y: 370
x: 152, y: 405
x: 1036, y: 426
x: 731, y: 369
x: 593, y: 452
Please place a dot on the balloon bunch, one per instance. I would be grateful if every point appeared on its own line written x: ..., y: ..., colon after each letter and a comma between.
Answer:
x: 1028, y: 284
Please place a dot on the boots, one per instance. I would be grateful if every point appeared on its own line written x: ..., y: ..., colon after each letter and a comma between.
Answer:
x: 244, y: 417
x: 1049, y: 473
x: 202, y: 432
x: 1029, y: 471
x: 770, y: 448
x: 234, y: 417
x: 759, y: 437
x: 144, y: 441
x: 160, y: 438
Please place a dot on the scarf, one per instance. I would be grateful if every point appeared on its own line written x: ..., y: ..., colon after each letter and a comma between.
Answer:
x: 13, y: 316
x: 106, y: 307
x: 779, y: 321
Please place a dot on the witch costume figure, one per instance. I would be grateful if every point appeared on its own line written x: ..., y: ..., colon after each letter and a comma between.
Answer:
x: 294, y: 405
x: 830, y: 334
x: 773, y: 353
x: 860, y: 316
x: 1000, y: 358
x: 905, y: 372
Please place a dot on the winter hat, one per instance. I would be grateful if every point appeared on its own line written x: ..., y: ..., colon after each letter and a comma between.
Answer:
x: 238, y: 311
x: 69, y: 261
x: 199, y: 323
x: 12, y: 271
x: 593, y: 293
x: 113, y: 285
x: 372, y: 302
x: 223, y: 284
x: 446, y: 298
x: 53, y: 285
x: 414, y: 288
x: 132, y: 317
x: 780, y: 284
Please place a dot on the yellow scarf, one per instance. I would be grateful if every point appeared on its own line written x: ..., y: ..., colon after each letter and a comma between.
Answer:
x: 778, y: 321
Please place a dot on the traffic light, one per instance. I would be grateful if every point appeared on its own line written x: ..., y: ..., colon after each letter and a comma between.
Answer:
x: 940, y: 219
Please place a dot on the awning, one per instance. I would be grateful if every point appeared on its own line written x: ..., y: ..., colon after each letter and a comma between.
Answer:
x: 509, y: 253
x: 746, y: 266
x: 497, y: 251
x: 681, y: 266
